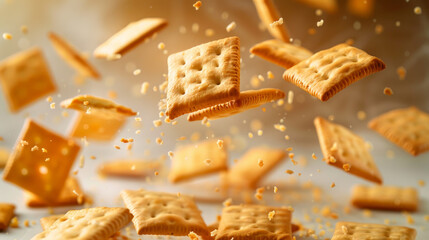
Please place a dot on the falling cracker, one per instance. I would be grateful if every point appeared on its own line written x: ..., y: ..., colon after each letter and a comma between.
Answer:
x: 6, y: 214
x: 29, y: 170
x: 238, y: 175
x: 361, y: 8
x: 73, y: 57
x: 158, y: 213
x: 330, y: 6
x: 129, y: 168
x: 69, y: 196
x: 341, y: 147
x: 4, y: 156
x: 90, y: 223
x: 268, y: 14
x: 408, y: 128
x: 251, y: 222
x: 329, y: 71
x: 25, y: 78
x: 385, y: 198
x: 352, y: 230
x: 247, y: 100
x: 190, y: 161
x: 129, y: 37
x: 203, y: 76
x: 283, y: 54
x: 46, y: 222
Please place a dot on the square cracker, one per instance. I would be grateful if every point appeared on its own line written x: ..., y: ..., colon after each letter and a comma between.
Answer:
x: 252, y: 222
x: 6, y: 214
x: 158, y: 213
x: 41, y: 173
x: 385, y: 198
x: 238, y: 175
x: 129, y: 37
x: 75, y: 59
x: 352, y: 230
x: 46, y: 222
x: 268, y: 14
x: 247, y: 100
x: 190, y: 161
x: 69, y: 196
x: 329, y: 71
x: 361, y: 8
x: 129, y: 168
x: 96, y: 127
x: 25, y: 78
x: 203, y: 76
x: 407, y: 128
x: 340, y: 146
x: 283, y: 54
x: 90, y: 223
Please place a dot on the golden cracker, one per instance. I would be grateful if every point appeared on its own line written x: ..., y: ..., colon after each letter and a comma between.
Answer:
x: 6, y: 214
x: 4, y: 156
x: 90, y: 223
x: 268, y: 14
x: 281, y: 53
x: 75, y: 59
x: 408, y: 128
x: 198, y: 159
x: 203, y: 76
x: 341, y: 148
x: 352, y: 230
x: 330, y: 6
x: 253, y: 222
x: 247, y: 100
x: 361, y: 8
x: 158, y: 213
x: 47, y: 222
x: 41, y: 173
x: 25, y: 78
x: 129, y: 37
x: 71, y: 194
x: 238, y: 175
x: 129, y: 168
x: 329, y: 71
x: 96, y: 127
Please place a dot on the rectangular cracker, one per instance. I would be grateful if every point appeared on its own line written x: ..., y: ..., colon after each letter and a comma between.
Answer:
x: 352, y: 230
x: 6, y: 214
x: 247, y: 100
x: 129, y: 37
x: 203, y: 76
x: 268, y: 14
x: 385, y: 198
x: 329, y: 71
x: 90, y: 223
x: 361, y: 8
x: 238, y: 175
x: 41, y: 172
x: 198, y: 159
x: 408, y: 128
x: 253, y: 222
x: 70, y: 195
x: 46, y: 222
x: 281, y: 53
x: 137, y: 168
x: 158, y: 213
x: 341, y: 148
x: 25, y: 78
x: 73, y: 57
x: 4, y: 156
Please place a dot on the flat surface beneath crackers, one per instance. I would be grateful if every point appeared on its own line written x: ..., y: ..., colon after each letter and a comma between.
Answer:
x: 112, y: 15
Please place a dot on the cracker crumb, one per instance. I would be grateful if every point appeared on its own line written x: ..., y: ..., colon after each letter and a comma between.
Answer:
x: 422, y: 183
x: 280, y: 127
x: 44, y: 150
x: 388, y: 91
x: 213, y: 233
x: 260, y: 162
x: 270, y: 75
x: 157, y: 123
x: 170, y: 154
x: 276, y: 189
x: 138, y: 119
x: 289, y: 171
x: 117, y: 147
x: 417, y: 10
x: 193, y: 236
x: 156, y: 173
x: 195, y: 27
x: 227, y: 202
x: 271, y: 215
x: 402, y: 72
x: 387, y: 221
x: 378, y: 29
x: 410, y: 219
x: 361, y: 115
x: 332, y: 159
x: 331, y: 117
x: 426, y: 218
x: 290, y: 95
x: 250, y: 135
x: 332, y: 185
x: 260, y: 132
x: 14, y: 223
x: 7, y: 36
x: 314, y: 156
x: 52, y: 105
x: 367, y: 213
x: 34, y: 148
x: 26, y: 223
x: 197, y: 5
x: 81, y: 161
x: 161, y: 46
x: 137, y: 72
x: 345, y: 230
x: 287, y: 137
x: 209, y: 32
x: 254, y: 82
x: 320, y: 23
x: 144, y: 88
x: 277, y: 23
x: 231, y: 26
x: 261, y: 78
x: 49, y: 99
x: 311, y: 31
x: 24, y: 29
x: 159, y: 141
x: 347, y: 167
x: 280, y: 102
x: 220, y: 143
x: 318, y: 12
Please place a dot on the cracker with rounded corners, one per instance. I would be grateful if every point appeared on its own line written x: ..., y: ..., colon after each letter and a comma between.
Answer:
x: 268, y: 14
x: 136, y: 168
x: 352, y: 230
x: 6, y: 214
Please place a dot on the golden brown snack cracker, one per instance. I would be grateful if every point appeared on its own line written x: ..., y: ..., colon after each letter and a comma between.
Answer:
x: 25, y: 78
x: 247, y: 100
x: 352, y: 230
x: 42, y: 171
x: 6, y: 214
x: 129, y: 37
x: 407, y: 128
x: 255, y: 222
x: 198, y: 159
x: 268, y: 14
x: 129, y: 168
x: 158, y: 213
x: 329, y: 71
x: 90, y: 223
x: 203, y: 76
x: 75, y: 59
x: 345, y: 150
x: 283, y: 54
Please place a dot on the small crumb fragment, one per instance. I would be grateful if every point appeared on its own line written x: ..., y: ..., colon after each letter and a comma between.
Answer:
x: 290, y: 97
x: 144, y: 88
x: 220, y: 143
x: 14, y: 223
x: 388, y: 91
x: 320, y: 23
x: 378, y: 29
x: 287, y: 137
x: 277, y: 23
x: 332, y: 185
x: 137, y: 72
x: 209, y: 32
x: 117, y: 147
x: 81, y: 161
x: 49, y: 99
x: 159, y: 141
x: 260, y: 132
x: 193, y: 236
x: 231, y: 26
x: 161, y: 46
x: 289, y: 171
x: 410, y: 219
x: 347, y: 167
x: 270, y: 75
x: 227, y: 202
x: 26, y: 223
x: 426, y: 217
x: 157, y: 123
x: 276, y: 189
x: 250, y: 135
x: 260, y: 162
x: 401, y: 71
x: 213, y: 233
x: 24, y: 29
x: 361, y: 115
x: 314, y: 156
x: 422, y: 183
x: 52, y: 105
x: 7, y: 36
x: 271, y: 215
x: 417, y: 10
x: 319, y: 12
x: 195, y: 27
x: 197, y: 5
x: 280, y: 127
